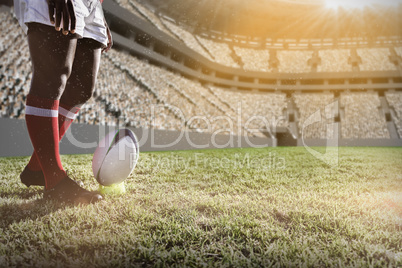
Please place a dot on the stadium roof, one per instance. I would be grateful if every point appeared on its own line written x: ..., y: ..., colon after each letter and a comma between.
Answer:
x: 286, y: 18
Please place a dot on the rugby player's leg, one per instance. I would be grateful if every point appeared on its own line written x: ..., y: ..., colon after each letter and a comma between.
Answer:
x: 81, y: 84
x: 78, y: 90
x: 52, y: 56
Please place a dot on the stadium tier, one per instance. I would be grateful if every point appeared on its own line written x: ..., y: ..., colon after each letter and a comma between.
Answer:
x: 223, y: 87
x: 221, y: 52
x: 142, y: 12
x: 295, y: 61
x: 395, y: 101
x: 254, y: 59
x: 260, y: 59
x: 362, y: 117
x: 307, y: 106
x: 375, y: 59
x: 15, y: 68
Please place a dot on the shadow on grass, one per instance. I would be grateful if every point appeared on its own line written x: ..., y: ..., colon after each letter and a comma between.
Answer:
x: 15, y: 212
x: 21, y: 194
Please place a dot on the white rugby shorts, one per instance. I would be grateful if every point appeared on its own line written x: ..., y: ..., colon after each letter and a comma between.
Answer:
x: 89, y: 14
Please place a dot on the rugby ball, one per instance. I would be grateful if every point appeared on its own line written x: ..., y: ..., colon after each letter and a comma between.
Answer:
x: 115, y: 157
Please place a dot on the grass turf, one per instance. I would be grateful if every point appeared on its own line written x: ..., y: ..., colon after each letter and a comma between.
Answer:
x: 238, y: 207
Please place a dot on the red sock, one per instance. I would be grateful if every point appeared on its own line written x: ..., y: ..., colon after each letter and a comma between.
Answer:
x: 41, y: 116
x: 67, y: 115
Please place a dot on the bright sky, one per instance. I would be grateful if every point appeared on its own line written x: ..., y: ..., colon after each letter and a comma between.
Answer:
x: 360, y: 3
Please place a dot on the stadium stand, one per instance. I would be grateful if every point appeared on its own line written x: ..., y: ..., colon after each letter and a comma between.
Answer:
x: 149, y: 15
x: 130, y: 6
x: 289, y: 61
x: 15, y: 68
x: 375, y: 59
x: 362, y: 116
x: 395, y: 101
x: 254, y: 59
x: 334, y: 60
x: 141, y: 75
x: 134, y: 92
x: 294, y: 61
x: 144, y: 13
x: 398, y: 51
x: 120, y: 100
x: 258, y: 110
x: 220, y: 51
x: 181, y: 96
x: 186, y: 37
x: 308, y: 104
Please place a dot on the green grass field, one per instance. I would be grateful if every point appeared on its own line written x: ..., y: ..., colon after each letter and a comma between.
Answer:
x: 266, y: 207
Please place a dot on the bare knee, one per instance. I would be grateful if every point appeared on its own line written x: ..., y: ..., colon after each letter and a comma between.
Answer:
x: 81, y: 84
x: 49, y: 83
